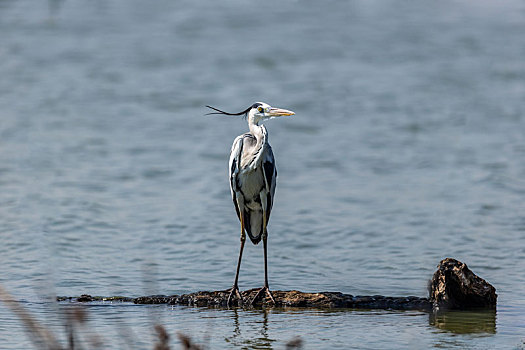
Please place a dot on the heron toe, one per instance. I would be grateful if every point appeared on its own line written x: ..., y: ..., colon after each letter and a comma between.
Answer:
x: 234, y: 292
x: 263, y: 290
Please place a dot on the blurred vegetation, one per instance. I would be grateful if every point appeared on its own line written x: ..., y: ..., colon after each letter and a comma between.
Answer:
x: 78, y: 336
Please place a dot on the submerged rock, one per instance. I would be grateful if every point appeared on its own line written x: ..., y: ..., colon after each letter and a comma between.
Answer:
x: 455, y: 286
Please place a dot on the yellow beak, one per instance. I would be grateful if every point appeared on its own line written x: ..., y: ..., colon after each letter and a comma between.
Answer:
x: 279, y: 112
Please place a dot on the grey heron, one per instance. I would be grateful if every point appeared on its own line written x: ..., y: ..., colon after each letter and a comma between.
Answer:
x: 252, y: 183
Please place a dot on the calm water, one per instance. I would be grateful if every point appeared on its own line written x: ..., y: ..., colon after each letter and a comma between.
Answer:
x: 408, y: 146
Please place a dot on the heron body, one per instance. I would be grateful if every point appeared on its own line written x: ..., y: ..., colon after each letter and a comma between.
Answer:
x: 252, y: 182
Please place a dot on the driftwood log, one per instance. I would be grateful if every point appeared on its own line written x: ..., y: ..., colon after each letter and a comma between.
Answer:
x: 453, y: 286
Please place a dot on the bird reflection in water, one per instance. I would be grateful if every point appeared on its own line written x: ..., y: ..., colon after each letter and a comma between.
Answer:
x: 260, y: 342
x: 465, y: 322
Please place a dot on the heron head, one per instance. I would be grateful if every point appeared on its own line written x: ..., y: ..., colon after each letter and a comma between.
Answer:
x: 258, y: 112
x: 261, y: 111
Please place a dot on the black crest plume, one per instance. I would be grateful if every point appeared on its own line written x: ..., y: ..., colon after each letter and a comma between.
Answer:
x: 245, y: 112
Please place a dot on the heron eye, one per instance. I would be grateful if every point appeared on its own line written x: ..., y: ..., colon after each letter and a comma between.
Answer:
x: 260, y: 109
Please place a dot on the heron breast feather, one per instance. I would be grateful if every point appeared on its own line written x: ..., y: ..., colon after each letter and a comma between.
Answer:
x: 251, y: 183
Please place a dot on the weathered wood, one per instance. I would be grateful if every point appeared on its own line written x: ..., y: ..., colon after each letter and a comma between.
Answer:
x: 453, y: 286
x: 84, y: 298
x: 291, y: 298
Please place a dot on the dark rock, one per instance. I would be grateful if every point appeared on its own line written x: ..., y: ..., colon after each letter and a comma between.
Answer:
x: 454, y: 286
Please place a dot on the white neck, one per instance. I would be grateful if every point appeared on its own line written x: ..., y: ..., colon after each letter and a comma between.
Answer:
x: 259, y: 131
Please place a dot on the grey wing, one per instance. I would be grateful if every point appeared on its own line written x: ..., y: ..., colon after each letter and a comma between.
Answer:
x: 235, y: 166
x: 270, y: 179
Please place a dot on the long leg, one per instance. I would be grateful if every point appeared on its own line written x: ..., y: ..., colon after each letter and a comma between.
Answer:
x: 266, y: 288
x: 265, y: 238
x: 235, y: 288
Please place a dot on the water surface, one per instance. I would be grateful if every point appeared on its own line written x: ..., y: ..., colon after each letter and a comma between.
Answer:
x: 407, y: 147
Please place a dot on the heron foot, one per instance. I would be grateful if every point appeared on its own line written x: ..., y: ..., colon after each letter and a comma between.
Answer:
x: 234, y: 292
x: 263, y: 290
